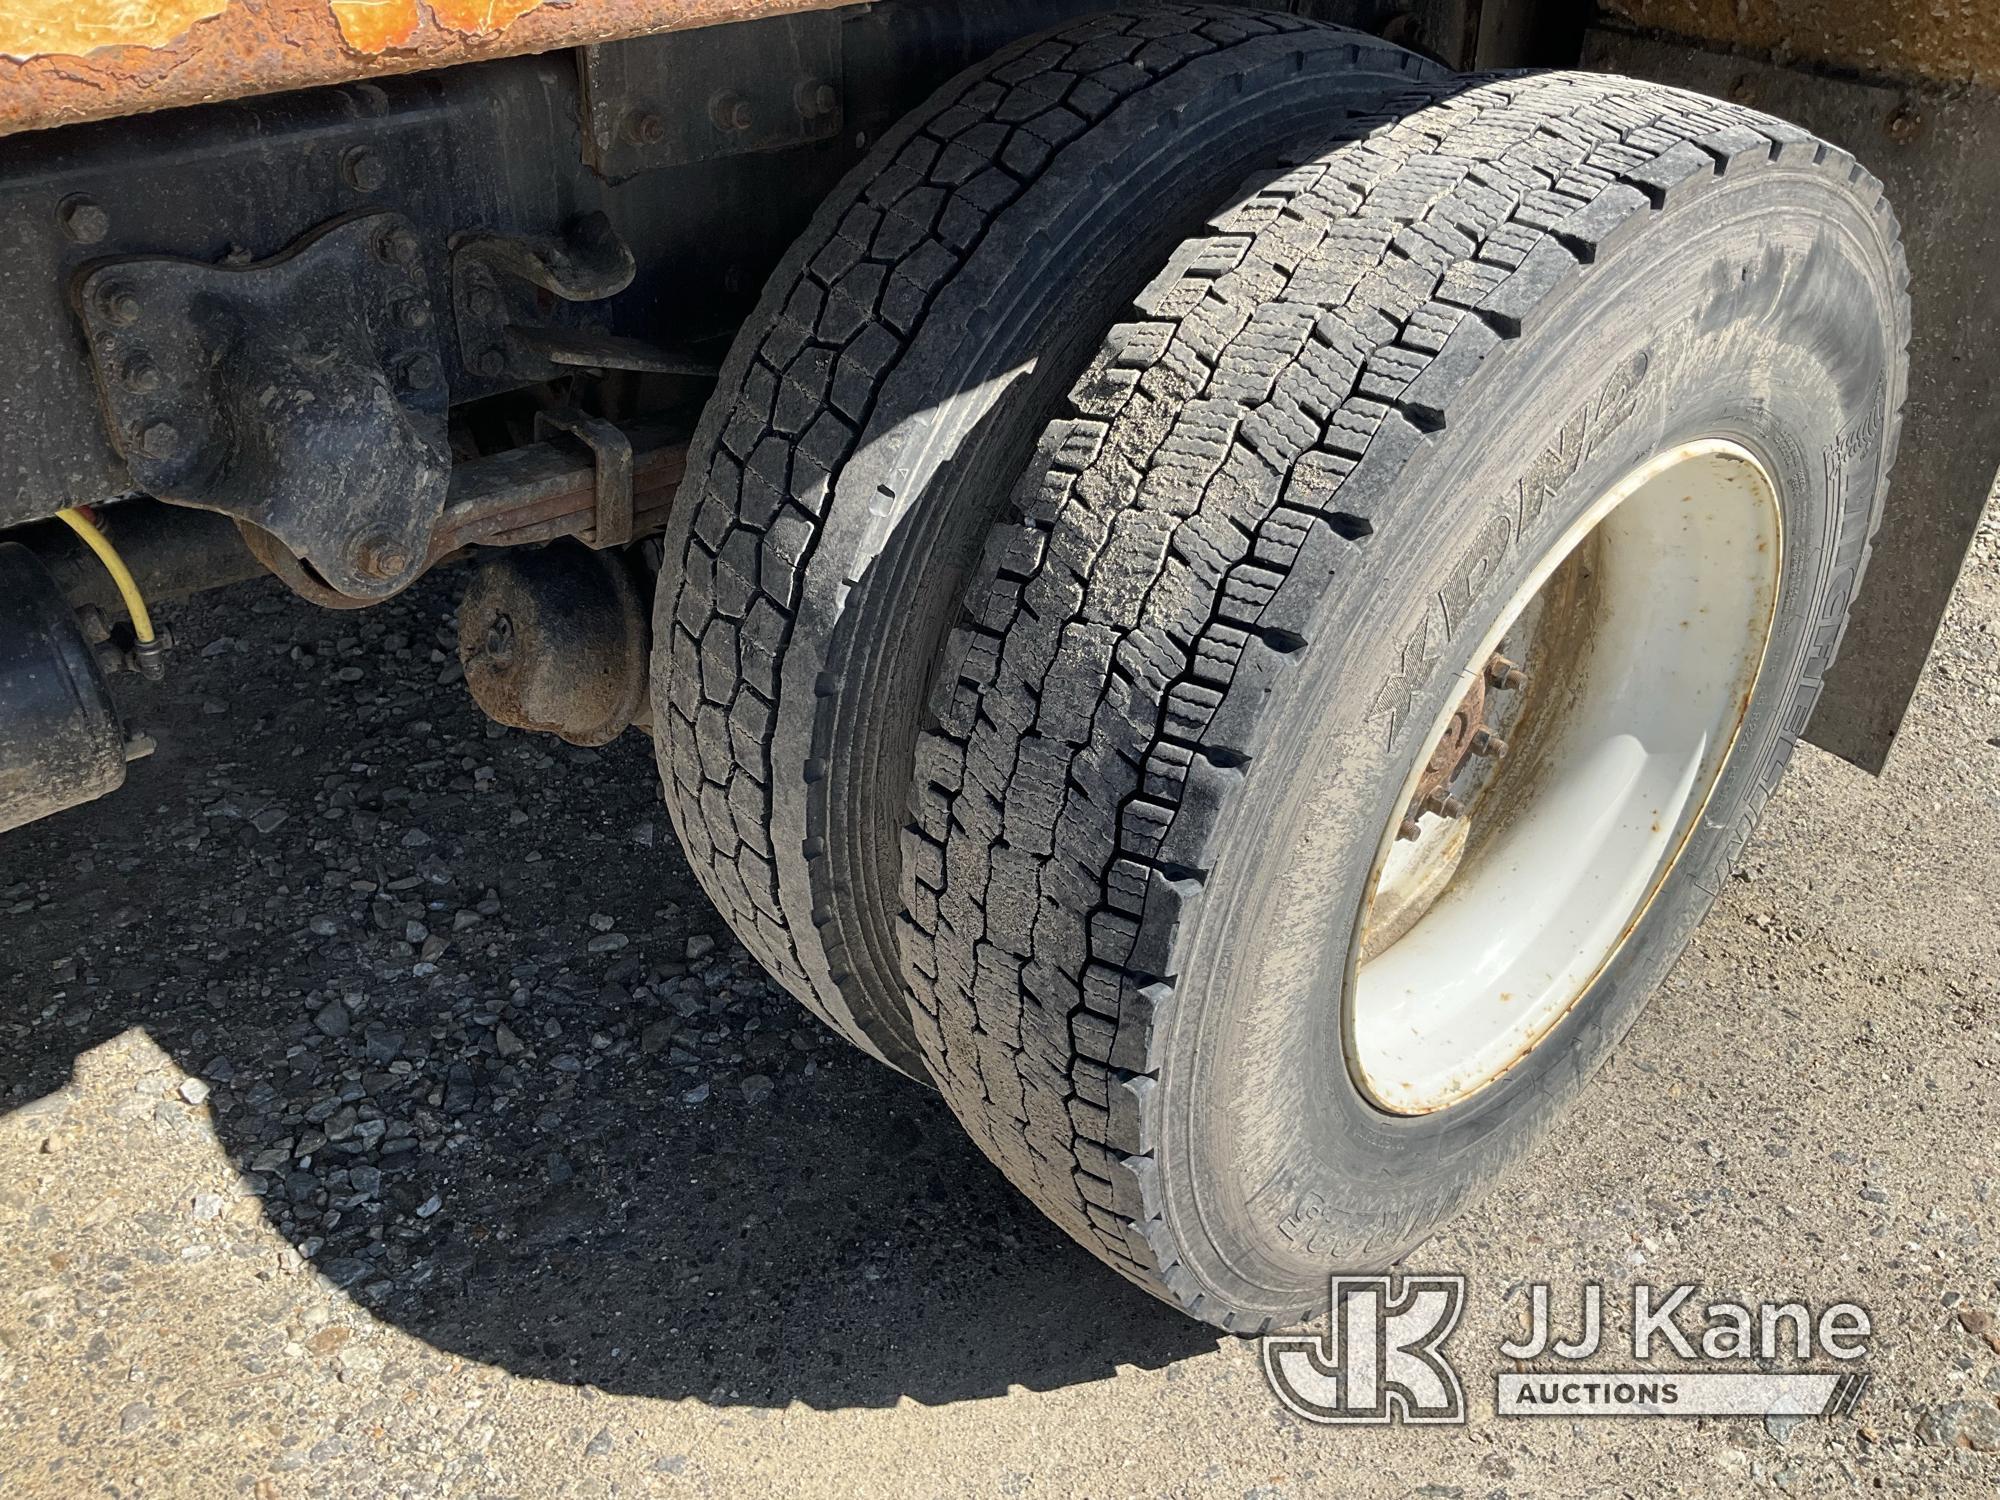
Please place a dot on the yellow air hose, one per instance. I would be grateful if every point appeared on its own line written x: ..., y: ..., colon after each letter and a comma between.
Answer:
x: 128, y: 586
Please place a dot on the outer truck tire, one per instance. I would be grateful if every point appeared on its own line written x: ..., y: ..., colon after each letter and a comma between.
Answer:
x: 1562, y: 403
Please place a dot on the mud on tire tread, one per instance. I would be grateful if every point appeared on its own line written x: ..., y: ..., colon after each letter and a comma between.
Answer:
x: 1257, y: 414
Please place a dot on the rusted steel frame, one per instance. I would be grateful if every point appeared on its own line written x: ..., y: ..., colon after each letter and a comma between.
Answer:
x: 512, y: 499
x: 63, y: 61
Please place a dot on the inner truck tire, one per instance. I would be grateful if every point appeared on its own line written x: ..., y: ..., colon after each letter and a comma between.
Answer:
x: 871, y: 417
x: 1557, y: 406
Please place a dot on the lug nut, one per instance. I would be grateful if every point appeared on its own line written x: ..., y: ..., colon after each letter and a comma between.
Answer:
x: 1409, y: 828
x: 1504, y: 674
x: 160, y: 440
x: 1486, y: 742
x: 1443, y: 805
x: 730, y: 112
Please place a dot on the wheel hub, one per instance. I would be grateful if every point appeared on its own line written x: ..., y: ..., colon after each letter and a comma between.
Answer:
x: 1554, y: 795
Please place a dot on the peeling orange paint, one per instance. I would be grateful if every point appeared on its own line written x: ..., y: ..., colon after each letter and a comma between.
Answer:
x: 72, y: 28
x: 379, y: 25
x: 375, y: 25
x: 98, y: 59
x: 480, y: 17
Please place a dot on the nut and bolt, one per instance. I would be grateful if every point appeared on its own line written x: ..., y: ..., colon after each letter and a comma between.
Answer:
x: 482, y: 301
x: 363, y: 170
x: 730, y: 111
x: 160, y: 440
x: 1443, y: 805
x: 140, y: 374
x: 815, y: 99
x: 1504, y: 674
x: 421, y: 372
x: 118, y: 304
x: 644, y: 128
x: 491, y: 363
x: 398, y: 247
x: 83, y: 219
x: 1486, y: 742
x: 413, y: 313
x: 381, y: 556
x: 1409, y: 828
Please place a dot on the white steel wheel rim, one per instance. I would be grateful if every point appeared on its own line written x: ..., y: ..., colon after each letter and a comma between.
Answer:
x: 1642, y: 632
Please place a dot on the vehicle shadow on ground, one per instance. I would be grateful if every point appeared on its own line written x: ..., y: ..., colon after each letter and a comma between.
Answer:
x: 616, y: 1167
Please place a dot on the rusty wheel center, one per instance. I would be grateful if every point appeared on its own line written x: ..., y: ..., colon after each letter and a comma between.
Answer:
x: 1554, y: 795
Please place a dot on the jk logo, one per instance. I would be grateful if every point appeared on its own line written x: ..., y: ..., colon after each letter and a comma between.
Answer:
x: 1382, y: 1359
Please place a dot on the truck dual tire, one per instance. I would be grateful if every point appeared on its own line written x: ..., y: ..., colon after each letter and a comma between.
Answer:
x: 1375, y: 660
x: 871, y: 416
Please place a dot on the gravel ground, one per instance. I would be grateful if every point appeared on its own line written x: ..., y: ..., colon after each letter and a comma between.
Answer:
x: 387, y: 1113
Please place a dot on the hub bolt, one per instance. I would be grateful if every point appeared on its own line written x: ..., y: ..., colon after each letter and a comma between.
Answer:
x: 1486, y: 742
x: 1443, y: 805
x: 1504, y: 674
x: 1409, y: 828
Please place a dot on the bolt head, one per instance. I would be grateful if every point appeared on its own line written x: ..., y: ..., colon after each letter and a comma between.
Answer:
x: 816, y: 98
x: 644, y: 128
x: 1486, y: 742
x: 363, y: 170
x: 482, y: 301
x: 1504, y: 674
x: 413, y: 313
x: 398, y: 247
x: 83, y: 219
x: 490, y: 363
x: 118, y: 305
x: 160, y: 440
x: 730, y: 111
x: 381, y: 557
x: 421, y: 372
x: 140, y: 374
